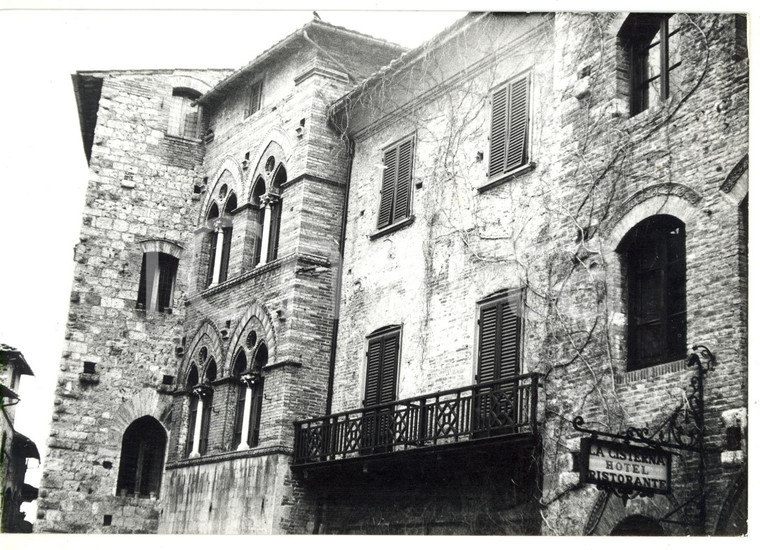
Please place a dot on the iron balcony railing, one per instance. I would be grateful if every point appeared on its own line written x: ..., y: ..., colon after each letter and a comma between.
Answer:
x: 502, y: 408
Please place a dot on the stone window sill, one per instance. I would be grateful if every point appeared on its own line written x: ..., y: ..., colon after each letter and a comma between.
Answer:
x: 503, y: 178
x: 391, y: 228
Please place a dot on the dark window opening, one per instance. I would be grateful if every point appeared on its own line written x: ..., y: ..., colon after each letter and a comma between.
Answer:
x: 655, y: 252
x: 167, y: 380
x: 652, y: 45
x: 107, y: 520
x: 89, y: 367
x: 510, y: 121
x: 396, y: 189
x: 183, y: 115
x: 142, y: 458
x: 158, y: 275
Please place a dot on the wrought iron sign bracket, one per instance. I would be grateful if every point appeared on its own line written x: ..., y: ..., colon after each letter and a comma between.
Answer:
x: 683, y: 430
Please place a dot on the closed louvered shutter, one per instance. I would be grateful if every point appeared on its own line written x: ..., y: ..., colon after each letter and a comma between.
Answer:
x: 487, y: 366
x: 239, y: 410
x: 390, y: 160
x: 382, y: 364
x: 510, y: 111
x: 403, y: 181
x: 499, y: 342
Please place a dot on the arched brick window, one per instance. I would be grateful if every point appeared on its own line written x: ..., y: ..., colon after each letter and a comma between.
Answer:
x: 655, y: 265
x: 142, y: 458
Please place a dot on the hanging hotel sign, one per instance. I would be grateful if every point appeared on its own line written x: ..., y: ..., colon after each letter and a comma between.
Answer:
x: 623, y: 466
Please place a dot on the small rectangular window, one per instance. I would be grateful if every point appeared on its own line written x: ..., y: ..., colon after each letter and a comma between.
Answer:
x: 396, y: 190
x: 254, y: 99
x: 510, y: 121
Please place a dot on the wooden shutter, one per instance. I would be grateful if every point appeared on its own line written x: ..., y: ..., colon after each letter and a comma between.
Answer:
x: 498, y: 132
x: 404, y: 181
x: 509, y: 352
x: 390, y: 160
x: 499, y: 342
x: 487, y: 367
x: 382, y: 365
x: 374, y: 366
x: 510, y: 117
x: 517, y: 122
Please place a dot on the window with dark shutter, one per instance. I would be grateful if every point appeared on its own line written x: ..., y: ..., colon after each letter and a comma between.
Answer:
x: 496, y: 405
x: 396, y: 189
x: 382, y: 365
x: 510, y: 120
x: 655, y: 252
x: 499, y: 339
x: 380, y: 388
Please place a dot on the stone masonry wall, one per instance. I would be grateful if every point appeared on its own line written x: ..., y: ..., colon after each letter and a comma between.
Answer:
x: 140, y: 188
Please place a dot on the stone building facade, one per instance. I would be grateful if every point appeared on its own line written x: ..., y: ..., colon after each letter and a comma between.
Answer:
x: 352, y: 289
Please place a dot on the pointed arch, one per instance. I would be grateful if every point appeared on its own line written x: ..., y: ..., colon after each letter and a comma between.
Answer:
x: 206, y: 334
x: 230, y: 173
x: 255, y: 318
x: 276, y: 142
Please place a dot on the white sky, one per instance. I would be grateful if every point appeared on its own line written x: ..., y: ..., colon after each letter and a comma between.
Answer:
x: 43, y: 171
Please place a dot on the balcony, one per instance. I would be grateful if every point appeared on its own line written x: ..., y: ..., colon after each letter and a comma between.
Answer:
x: 481, y: 414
